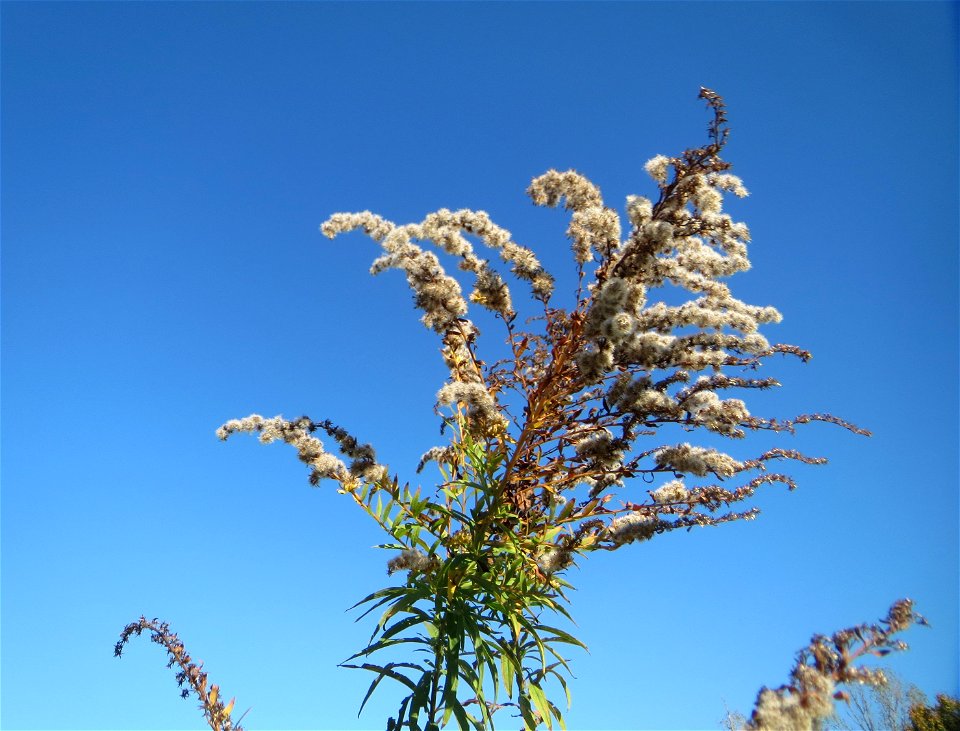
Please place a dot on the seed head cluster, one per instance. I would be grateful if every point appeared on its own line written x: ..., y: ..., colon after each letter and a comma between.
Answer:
x: 295, y: 433
x: 619, y: 364
x: 808, y: 699
x: 699, y: 461
x: 671, y: 492
x: 412, y: 561
x: 299, y: 434
x: 632, y: 527
x: 615, y: 367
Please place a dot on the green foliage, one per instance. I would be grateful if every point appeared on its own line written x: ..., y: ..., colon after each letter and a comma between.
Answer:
x: 472, y: 605
x: 945, y: 716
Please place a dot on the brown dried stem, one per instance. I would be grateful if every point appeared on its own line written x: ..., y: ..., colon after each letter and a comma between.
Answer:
x: 190, y: 673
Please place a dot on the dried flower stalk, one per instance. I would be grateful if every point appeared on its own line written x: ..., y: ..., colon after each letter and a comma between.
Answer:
x: 826, y: 662
x: 189, y: 673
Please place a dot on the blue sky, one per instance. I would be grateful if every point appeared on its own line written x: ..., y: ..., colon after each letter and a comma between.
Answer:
x: 164, y: 171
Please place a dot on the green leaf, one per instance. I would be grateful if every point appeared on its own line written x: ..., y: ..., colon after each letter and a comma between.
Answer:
x: 567, y: 510
x: 552, y: 533
x: 383, y: 594
x: 515, y: 625
x: 485, y: 658
x: 451, y: 513
x: 566, y: 690
x: 506, y: 674
x: 384, y: 512
x: 410, y: 595
x: 420, y: 699
x: 464, y: 720
x: 383, y: 644
x: 540, y: 701
x: 561, y: 636
x: 559, y: 716
x: 450, y: 685
x: 402, y: 712
x: 419, y: 617
x: 388, y: 671
x: 526, y: 712
x: 373, y: 685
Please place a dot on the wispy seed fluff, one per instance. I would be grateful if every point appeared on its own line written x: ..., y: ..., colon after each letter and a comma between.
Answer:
x: 594, y: 363
x: 803, y: 711
x: 615, y: 306
x: 619, y: 327
x: 435, y: 292
x: 639, y: 210
x: 440, y: 455
x: 593, y: 228
x: 631, y: 528
x: 697, y: 460
x: 480, y: 404
x: 295, y: 433
x: 553, y: 186
x: 413, y: 561
x: 373, y: 225
x: 722, y: 416
x: 730, y: 183
x: 707, y: 199
x: 601, y: 449
x: 363, y: 458
x: 443, y: 228
x: 657, y: 168
x: 670, y: 492
x: 553, y: 559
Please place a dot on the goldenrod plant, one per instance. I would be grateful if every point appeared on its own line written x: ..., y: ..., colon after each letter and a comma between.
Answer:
x: 540, y: 445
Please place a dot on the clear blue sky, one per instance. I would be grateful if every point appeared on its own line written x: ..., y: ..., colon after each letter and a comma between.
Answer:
x: 164, y: 170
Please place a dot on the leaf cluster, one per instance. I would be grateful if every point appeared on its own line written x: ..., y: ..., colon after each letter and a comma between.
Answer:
x: 471, y: 611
